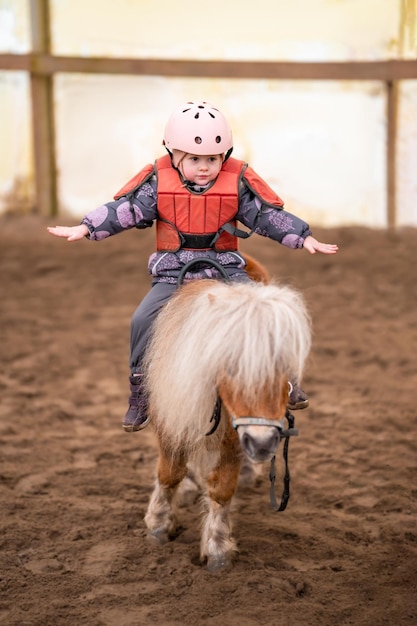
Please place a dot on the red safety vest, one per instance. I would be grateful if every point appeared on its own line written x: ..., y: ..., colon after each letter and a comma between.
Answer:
x: 193, y: 221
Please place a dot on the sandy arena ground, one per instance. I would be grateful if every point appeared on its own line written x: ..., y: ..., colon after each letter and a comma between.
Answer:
x: 74, y: 487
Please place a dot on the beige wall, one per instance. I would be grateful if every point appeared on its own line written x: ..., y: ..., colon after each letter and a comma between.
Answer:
x: 265, y: 29
x: 321, y: 145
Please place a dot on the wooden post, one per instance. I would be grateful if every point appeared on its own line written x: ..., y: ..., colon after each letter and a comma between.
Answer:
x: 391, y: 166
x: 43, y: 114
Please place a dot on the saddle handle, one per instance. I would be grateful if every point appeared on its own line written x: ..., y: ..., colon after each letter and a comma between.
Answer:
x: 204, y: 261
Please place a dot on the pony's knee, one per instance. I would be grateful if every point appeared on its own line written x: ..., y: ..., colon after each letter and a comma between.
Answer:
x: 171, y: 473
x: 222, y: 483
x: 172, y: 466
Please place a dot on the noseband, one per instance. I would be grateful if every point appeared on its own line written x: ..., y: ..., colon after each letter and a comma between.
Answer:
x: 248, y: 420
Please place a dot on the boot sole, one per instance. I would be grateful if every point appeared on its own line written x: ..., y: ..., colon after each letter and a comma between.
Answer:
x: 131, y: 428
x: 298, y: 405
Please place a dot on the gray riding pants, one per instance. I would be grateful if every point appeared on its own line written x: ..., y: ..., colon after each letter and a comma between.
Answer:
x: 142, y: 320
x: 145, y: 314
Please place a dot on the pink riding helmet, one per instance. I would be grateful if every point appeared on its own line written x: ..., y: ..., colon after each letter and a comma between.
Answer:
x: 198, y: 128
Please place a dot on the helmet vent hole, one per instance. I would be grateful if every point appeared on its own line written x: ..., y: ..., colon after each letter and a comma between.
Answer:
x: 196, y: 116
x: 218, y: 139
x: 197, y: 139
x: 211, y: 115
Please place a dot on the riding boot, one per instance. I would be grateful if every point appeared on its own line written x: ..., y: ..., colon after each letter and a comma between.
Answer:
x: 298, y: 398
x: 136, y: 416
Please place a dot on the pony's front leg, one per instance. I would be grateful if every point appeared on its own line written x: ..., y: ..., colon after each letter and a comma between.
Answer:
x: 217, y: 544
x: 160, y: 517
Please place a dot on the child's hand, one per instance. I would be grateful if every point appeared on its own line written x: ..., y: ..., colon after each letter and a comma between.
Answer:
x: 72, y: 233
x: 313, y: 246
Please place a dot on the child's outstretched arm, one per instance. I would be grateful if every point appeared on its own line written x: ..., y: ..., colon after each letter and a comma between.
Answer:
x: 72, y: 233
x: 313, y: 246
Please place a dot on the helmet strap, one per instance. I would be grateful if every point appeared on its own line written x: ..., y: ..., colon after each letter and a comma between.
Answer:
x: 228, y: 153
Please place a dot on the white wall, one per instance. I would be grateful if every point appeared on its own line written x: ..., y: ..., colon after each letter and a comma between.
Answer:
x: 320, y: 144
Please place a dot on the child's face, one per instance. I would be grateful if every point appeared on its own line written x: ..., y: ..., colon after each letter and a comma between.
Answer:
x: 201, y: 169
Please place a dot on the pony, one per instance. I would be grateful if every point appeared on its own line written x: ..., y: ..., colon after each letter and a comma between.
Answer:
x: 233, y: 347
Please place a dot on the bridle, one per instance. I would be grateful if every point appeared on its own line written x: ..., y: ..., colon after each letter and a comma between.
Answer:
x: 283, y: 433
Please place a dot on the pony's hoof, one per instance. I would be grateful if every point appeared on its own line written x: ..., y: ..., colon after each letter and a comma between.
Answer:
x: 219, y: 563
x: 159, y: 536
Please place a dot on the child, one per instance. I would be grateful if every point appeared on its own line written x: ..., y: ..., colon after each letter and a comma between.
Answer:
x: 195, y: 194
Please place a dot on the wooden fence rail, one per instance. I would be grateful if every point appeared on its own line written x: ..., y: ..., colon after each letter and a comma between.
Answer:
x: 48, y: 64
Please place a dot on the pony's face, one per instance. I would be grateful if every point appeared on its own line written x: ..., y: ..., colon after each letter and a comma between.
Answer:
x: 259, y: 440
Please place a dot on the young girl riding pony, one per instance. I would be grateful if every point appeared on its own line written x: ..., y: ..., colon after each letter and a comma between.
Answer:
x: 196, y: 194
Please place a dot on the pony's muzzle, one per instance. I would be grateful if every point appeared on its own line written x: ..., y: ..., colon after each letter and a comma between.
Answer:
x: 259, y: 442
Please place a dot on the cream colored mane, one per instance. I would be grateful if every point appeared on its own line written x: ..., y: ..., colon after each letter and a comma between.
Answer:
x: 251, y: 332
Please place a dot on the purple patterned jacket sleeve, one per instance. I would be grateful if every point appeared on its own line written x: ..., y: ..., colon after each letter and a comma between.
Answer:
x: 275, y: 223
x: 114, y: 217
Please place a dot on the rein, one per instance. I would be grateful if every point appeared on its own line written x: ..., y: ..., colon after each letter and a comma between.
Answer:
x: 285, y: 433
x: 216, y: 416
x: 286, y: 492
